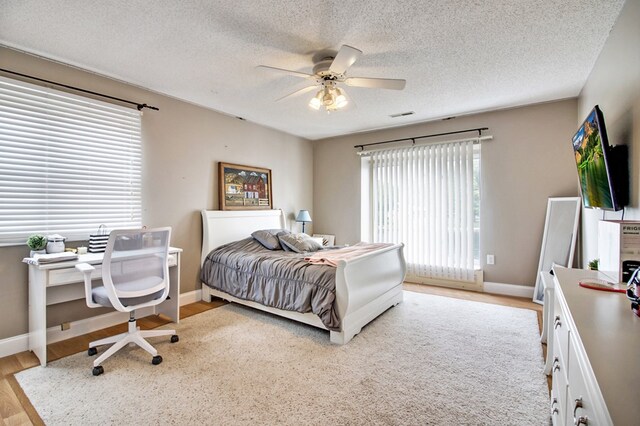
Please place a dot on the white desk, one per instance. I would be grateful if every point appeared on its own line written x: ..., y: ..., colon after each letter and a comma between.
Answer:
x: 60, y: 282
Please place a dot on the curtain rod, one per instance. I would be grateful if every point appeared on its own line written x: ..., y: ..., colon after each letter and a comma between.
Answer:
x: 413, y: 139
x: 478, y: 140
x: 138, y: 105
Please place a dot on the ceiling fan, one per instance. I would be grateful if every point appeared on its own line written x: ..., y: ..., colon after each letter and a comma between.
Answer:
x: 328, y: 73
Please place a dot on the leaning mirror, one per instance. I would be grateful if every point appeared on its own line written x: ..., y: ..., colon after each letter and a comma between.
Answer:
x: 559, y: 238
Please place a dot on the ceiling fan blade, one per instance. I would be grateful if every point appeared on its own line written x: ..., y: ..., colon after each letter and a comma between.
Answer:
x: 346, y: 56
x: 376, y: 83
x: 297, y: 92
x: 290, y: 72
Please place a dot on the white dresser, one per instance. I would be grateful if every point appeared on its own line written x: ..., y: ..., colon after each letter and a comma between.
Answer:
x: 594, y: 343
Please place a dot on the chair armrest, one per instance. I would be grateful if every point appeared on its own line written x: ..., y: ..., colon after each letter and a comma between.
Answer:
x: 86, y: 270
x: 85, y: 267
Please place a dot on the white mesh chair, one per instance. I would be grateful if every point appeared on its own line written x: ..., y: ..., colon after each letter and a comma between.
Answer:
x: 135, y: 275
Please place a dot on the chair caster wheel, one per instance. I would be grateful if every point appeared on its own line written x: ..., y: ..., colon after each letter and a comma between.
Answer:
x: 92, y: 351
x: 175, y: 338
x: 98, y: 370
x: 156, y: 360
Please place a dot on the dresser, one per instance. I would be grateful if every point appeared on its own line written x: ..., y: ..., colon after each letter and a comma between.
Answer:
x: 593, y: 339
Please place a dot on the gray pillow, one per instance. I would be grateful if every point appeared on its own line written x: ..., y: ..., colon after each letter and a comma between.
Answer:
x: 299, y: 242
x: 282, y: 244
x: 268, y: 238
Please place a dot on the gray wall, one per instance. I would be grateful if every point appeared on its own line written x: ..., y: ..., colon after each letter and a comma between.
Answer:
x: 529, y: 159
x: 614, y: 84
x: 182, y: 144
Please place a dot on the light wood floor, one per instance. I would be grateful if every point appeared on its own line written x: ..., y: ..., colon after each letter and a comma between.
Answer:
x: 15, y: 408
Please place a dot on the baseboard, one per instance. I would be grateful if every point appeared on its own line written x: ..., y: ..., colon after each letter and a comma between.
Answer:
x: 20, y: 343
x: 508, y: 289
x: 13, y: 345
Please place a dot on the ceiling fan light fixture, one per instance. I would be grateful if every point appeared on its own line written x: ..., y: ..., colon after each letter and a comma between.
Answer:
x: 316, y: 101
x: 341, y: 99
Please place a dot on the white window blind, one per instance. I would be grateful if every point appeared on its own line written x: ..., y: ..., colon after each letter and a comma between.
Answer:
x: 67, y: 164
x: 427, y: 198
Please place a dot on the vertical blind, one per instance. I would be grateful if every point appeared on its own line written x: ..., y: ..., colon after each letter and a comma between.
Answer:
x: 423, y: 196
x: 67, y: 164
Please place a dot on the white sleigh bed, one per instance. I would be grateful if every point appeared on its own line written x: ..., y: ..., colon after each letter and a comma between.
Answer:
x: 366, y: 286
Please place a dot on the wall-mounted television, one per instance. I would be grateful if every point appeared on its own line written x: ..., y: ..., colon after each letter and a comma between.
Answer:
x: 602, y: 171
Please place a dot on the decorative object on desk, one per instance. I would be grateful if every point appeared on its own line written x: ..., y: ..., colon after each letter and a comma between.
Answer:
x: 602, y: 285
x: 82, y: 250
x: 244, y: 187
x: 304, y: 217
x: 327, y: 240
x: 37, y: 244
x: 98, y: 241
x: 559, y: 238
x: 633, y: 291
x: 55, y: 243
x: 42, y: 259
x: 593, y: 265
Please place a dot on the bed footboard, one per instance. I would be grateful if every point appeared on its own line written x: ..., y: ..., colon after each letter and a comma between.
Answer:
x: 366, y: 287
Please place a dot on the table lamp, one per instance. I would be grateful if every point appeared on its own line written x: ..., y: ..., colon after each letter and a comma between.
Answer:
x: 304, y: 217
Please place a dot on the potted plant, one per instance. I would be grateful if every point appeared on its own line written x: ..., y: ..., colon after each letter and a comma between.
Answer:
x: 593, y: 265
x: 37, y: 244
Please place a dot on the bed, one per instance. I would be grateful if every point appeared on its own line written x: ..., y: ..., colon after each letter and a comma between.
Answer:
x: 365, y: 286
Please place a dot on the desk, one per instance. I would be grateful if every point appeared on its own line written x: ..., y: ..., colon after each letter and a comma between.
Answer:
x: 60, y: 282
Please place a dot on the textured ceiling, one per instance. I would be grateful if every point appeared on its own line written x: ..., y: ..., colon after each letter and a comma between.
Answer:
x: 458, y: 56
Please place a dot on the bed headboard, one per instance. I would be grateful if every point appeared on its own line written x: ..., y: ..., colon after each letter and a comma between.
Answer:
x: 222, y: 226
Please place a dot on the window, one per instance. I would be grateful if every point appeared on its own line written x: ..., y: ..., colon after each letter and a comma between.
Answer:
x: 67, y: 164
x: 427, y: 197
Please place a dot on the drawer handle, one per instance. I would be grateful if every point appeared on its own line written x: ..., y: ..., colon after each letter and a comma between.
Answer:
x: 582, y: 420
x: 556, y: 364
x: 556, y: 367
x: 554, y: 401
x: 557, y: 323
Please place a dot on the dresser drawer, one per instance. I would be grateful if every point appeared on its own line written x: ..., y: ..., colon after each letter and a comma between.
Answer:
x: 560, y: 330
x: 579, y: 399
x: 559, y: 379
x: 557, y: 411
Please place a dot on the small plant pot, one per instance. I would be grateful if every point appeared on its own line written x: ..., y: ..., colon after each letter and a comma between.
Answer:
x: 34, y: 252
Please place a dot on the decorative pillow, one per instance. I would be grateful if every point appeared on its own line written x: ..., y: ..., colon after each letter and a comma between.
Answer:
x: 282, y: 244
x: 268, y: 238
x: 299, y: 242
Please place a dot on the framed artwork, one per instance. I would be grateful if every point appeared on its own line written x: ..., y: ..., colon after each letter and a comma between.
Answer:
x: 327, y: 240
x: 244, y: 187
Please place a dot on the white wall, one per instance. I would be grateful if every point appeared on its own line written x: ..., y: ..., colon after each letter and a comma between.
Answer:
x: 529, y: 160
x: 614, y: 84
x: 182, y: 144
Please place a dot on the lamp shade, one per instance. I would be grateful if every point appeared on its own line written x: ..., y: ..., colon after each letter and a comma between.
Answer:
x: 303, y: 216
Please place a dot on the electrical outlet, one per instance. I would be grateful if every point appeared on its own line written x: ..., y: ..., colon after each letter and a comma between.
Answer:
x: 491, y: 259
x: 65, y: 326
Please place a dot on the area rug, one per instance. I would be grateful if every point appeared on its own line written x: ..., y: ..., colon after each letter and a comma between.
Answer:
x: 429, y: 361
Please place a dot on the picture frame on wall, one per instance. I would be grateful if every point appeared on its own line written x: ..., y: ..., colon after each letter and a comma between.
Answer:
x: 327, y: 240
x: 244, y: 187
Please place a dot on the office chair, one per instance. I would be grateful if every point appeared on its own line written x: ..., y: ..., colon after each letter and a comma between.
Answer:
x: 135, y: 275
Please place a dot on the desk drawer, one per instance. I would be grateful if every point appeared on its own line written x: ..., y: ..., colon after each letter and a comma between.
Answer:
x: 71, y: 275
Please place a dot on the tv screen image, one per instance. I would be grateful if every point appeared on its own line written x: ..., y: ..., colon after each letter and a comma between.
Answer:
x: 591, y: 148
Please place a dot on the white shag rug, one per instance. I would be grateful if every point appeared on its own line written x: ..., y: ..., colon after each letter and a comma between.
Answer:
x: 429, y: 361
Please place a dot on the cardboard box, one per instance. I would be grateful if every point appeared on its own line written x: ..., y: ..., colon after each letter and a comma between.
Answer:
x: 618, y: 248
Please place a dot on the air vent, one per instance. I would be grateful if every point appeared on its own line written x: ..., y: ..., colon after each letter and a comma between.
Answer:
x: 402, y: 114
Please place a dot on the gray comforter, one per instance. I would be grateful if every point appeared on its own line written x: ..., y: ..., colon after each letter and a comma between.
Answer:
x: 283, y: 280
